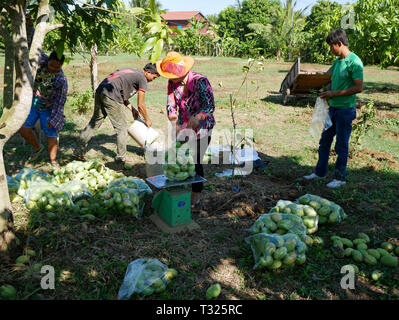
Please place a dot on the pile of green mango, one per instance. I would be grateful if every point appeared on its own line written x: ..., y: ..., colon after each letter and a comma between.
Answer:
x: 328, y: 211
x: 274, y: 251
x: 280, y: 224
x: 92, y: 173
x: 179, y: 162
x: 307, y: 213
x: 358, y: 249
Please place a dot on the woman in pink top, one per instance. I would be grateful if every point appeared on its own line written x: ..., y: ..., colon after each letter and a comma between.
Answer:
x: 190, y: 105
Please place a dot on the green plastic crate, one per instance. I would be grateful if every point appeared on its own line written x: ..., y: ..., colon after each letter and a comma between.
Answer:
x: 173, y: 207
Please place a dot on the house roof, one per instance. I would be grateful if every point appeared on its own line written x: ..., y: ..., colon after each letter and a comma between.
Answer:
x: 180, y: 15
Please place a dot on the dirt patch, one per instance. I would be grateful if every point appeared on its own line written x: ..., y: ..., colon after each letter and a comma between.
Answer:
x: 390, y: 134
x: 377, y: 158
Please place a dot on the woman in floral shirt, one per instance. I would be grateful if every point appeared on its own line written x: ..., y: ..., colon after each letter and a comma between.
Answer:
x: 190, y: 106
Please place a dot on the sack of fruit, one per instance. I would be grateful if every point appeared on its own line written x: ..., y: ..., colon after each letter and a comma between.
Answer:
x: 328, y: 211
x: 77, y: 190
x: 27, y: 176
x: 122, y: 200
x: 274, y: 251
x: 307, y: 213
x: 46, y: 197
x: 280, y: 224
x: 145, y: 277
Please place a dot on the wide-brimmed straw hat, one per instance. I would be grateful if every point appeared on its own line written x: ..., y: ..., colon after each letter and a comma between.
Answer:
x: 174, y: 65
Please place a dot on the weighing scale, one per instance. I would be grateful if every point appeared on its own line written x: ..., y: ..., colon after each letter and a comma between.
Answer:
x: 172, y: 204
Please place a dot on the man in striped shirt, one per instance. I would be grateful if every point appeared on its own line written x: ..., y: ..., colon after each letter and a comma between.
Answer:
x: 49, y: 97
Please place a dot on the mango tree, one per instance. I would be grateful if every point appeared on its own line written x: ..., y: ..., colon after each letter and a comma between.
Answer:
x: 14, y: 115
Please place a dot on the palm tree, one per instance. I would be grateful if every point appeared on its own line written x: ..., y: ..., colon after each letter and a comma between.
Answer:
x: 285, y: 29
x: 144, y: 4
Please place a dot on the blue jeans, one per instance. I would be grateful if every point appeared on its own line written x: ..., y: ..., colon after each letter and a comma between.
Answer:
x: 342, y: 128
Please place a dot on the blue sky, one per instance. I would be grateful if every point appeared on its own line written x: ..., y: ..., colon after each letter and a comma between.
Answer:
x: 215, y: 6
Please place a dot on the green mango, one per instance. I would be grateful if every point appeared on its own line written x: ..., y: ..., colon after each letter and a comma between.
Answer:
x: 290, y: 244
x: 308, y: 241
x: 374, y: 253
x: 377, y: 275
x: 276, y: 264
x: 290, y: 259
x: 280, y: 253
x: 389, y: 261
x: 357, y: 256
x: 382, y: 252
x: 266, y: 261
x: 301, y: 259
x: 370, y: 260
x: 285, y: 224
x: 277, y: 217
x: 347, y: 242
x: 318, y: 241
x: 338, y: 243
x: 338, y: 252
x: 8, y: 292
x: 315, y: 205
x: 387, y: 246
x: 362, y: 235
x: 213, y: 291
x: 348, y: 252
x: 358, y: 241
x: 309, y: 222
x: 310, y: 212
x: 397, y: 251
x: 333, y: 218
x: 304, y: 200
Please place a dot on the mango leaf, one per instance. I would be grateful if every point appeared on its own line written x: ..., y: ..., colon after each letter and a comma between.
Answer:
x: 152, y: 6
x: 60, y: 45
x: 157, y: 50
x: 136, y: 10
x: 148, y: 45
x: 155, y: 28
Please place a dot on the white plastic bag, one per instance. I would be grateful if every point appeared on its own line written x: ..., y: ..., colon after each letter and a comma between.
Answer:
x: 321, y: 120
x: 144, y: 276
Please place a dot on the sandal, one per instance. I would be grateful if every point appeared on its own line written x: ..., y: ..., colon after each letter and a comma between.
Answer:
x: 36, y: 154
x: 55, y: 164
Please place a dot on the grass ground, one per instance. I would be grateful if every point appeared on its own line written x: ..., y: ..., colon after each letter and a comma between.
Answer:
x: 90, y: 259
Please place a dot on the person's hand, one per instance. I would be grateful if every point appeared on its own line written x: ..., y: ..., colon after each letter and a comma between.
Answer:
x: 49, y: 125
x: 135, y: 113
x: 327, y: 94
x: 193, y: 123
x: 173, y: 117
x: 148, y: 123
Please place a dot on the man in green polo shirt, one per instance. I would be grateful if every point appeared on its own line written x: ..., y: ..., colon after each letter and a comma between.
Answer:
x: 346, y: 82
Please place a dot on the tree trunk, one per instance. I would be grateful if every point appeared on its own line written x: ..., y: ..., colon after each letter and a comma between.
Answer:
x: 8, y: 93
x: 93, y: 68
x: 11, y: 121
x: 7, y: 236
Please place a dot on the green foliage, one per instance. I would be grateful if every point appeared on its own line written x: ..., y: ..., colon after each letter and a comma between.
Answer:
x: 376, y: 33
x: 365, y: 123
x: 324, y: 17
x: 82, y: 102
